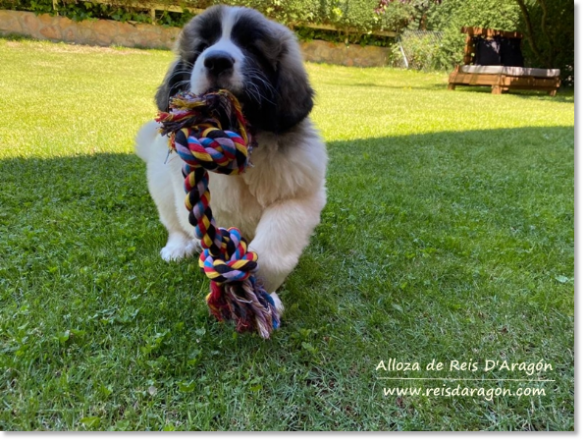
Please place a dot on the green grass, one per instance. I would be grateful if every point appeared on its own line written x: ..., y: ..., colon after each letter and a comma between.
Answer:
x: 448, y: 235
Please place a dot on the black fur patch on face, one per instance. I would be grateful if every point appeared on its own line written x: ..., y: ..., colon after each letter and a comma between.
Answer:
x: 261, y: 49
x: 254, y: 37
x: 276, y: 94
x: 197, y: 35
x: 200, y: 33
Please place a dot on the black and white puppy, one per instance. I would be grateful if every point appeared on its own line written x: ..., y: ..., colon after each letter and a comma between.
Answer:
x: 277, y: 202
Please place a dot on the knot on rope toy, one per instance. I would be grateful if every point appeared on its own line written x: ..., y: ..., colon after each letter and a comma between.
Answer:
x: 199, y: 130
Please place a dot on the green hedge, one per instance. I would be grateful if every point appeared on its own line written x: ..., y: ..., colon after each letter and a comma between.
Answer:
x: 120, y: 10
x: 356, y: 14
x: 359, y: 15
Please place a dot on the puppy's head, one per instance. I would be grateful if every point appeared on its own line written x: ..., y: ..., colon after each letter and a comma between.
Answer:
x: 256, y: 59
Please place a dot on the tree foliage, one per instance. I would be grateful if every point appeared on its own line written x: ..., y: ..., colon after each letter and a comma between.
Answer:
x: 419, y: 9
x: 548, y: 26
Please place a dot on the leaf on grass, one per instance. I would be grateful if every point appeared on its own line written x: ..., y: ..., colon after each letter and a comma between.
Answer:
x: 187, y: 387
x: 64, y: 337
x: 563, y: 279
x: 90, y: 421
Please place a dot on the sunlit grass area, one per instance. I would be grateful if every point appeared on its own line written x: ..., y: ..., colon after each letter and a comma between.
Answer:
x: 448, y: 235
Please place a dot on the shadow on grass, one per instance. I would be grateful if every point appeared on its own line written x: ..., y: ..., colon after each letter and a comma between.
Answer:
x: 564, y: 95
x: 432, y: 87
x: 380, y: 185
x: 17, y: 37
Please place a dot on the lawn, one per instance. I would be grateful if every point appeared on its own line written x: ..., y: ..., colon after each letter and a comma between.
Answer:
x: 448, y: 235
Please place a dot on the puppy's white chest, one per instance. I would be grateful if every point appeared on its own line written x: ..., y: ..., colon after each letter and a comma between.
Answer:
x: 233, y: 205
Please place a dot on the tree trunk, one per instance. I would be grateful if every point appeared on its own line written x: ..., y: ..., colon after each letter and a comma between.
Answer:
x: 530, y: 35
x: 547, y: 34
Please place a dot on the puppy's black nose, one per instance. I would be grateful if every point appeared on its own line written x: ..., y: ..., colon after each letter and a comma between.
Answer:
x: 218, y: 62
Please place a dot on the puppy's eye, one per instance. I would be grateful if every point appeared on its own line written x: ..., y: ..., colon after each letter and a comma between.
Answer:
x: 252, y: 46
x: 201, y: 47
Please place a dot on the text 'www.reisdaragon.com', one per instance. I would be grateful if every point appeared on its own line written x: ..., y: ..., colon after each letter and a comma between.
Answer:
x: 459, y: 391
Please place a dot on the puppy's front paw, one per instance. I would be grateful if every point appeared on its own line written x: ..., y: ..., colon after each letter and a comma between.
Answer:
x: 277, y: 303
x: 178, y: 248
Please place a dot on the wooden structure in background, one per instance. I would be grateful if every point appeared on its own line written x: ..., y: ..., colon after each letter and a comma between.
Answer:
x: 500, y: 78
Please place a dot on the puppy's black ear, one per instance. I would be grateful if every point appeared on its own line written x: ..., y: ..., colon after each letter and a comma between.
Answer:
x: 176, y: 80
x: 295, y: 96
x: 293, y: 92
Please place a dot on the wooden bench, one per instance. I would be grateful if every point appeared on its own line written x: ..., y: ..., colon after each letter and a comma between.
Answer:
x: 500, y: 78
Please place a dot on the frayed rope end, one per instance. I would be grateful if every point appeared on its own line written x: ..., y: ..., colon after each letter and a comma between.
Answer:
x: 247, y: 304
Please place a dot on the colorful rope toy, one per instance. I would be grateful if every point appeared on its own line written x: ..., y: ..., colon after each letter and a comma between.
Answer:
x: 198, y: 129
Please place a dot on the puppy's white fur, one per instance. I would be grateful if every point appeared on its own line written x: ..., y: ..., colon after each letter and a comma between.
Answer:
x: 276, y: 203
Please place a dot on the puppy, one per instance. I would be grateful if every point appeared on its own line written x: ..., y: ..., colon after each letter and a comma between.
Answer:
x: 277, y: 202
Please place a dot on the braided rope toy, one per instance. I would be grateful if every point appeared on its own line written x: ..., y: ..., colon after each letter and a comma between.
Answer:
x: 195, y: 126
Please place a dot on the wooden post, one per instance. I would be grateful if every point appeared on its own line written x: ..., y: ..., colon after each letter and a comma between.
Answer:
x: 468, y: 49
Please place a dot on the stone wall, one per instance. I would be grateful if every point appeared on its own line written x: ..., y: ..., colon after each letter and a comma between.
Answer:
x: 90, y: 32
x: 348, y: 55
x: 107, y: 32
